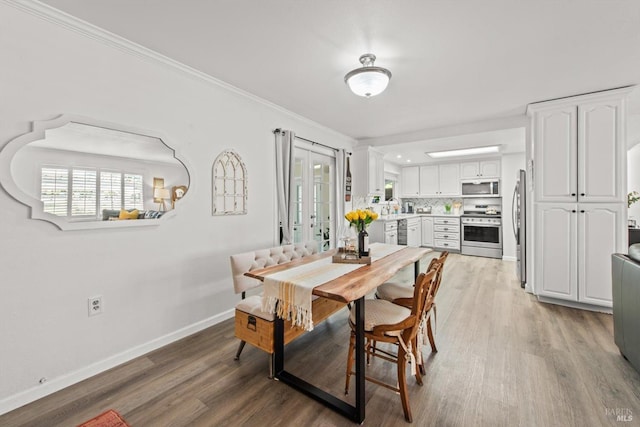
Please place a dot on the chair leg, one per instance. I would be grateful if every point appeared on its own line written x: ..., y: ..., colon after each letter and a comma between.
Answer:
x: 432, y: 341
x: 419, y: 367
x: 402, y: 384
x: 372, y: 350
x: 240, y: 347
x: 352, y: 343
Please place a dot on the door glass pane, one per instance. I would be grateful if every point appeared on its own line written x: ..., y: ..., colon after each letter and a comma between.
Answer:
x: 312, y: 198
x: 322, y: 200
x: 298, y: 198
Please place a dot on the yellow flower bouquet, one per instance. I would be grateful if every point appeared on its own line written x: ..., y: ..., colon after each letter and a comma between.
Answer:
x: 360, y: 218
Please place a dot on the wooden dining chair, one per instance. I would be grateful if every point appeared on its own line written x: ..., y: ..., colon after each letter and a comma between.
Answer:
x: 396, y: 325
x: 402, y: 295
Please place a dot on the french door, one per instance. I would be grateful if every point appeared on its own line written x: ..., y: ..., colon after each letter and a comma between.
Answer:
x: 314, y: 176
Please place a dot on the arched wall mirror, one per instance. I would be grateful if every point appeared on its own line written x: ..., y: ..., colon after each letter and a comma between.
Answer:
x: 80, y: 173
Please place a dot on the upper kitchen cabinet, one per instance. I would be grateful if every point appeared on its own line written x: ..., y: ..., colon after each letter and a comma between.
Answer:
x: 440, y: 180
x: 579, y: 148
x: 410, y: 183
x: 483, y: 169
x: 431, y: 180
x: 368, y: 172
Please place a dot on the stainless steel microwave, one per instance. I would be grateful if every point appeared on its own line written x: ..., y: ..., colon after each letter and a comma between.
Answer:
x: 481, y: 188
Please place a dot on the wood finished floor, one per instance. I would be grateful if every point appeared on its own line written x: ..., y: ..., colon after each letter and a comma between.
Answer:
x: 504, y: 359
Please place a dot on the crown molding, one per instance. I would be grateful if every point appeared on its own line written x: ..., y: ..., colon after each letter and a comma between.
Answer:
x: 86, y: 29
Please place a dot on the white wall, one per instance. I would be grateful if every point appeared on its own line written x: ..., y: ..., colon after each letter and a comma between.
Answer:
x: 157, y: 284
x: 633, y: 180
x: 511, y: 164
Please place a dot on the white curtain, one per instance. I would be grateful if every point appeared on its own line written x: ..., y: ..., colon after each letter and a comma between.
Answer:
x: 284, y: 182
x: 341, y: 156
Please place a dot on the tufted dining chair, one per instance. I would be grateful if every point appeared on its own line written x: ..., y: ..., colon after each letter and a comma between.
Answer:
x: 396, y: 325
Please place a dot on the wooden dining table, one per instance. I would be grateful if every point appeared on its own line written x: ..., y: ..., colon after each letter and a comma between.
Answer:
x: 348, y: 288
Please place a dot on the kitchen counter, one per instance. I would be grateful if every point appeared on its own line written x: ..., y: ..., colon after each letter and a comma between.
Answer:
x: 413, y: 215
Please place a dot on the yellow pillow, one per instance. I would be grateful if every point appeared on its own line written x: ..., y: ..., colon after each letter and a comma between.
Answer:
x: 128, y: 215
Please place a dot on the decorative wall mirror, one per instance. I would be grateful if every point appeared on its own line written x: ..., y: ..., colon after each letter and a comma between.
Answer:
x: 229, y: 184
x: 79, y: 173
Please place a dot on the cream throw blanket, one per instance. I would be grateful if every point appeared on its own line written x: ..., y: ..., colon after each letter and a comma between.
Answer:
x: 288, y: 293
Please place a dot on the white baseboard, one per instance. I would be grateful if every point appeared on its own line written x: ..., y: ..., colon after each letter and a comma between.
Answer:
x: 509, y: 258
x: 573, y: 304
x: 13, y: 402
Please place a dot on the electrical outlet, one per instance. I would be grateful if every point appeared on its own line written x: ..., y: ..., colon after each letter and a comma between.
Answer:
x: 95, y: 305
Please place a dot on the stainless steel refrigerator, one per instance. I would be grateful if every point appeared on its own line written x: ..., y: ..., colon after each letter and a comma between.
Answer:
x: 519, y: 206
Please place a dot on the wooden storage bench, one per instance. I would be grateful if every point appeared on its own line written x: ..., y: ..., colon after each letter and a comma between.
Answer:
x: 254, y: 326
x: 259, y: 332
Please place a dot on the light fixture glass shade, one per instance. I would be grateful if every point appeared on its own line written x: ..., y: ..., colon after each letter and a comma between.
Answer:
x: 368, y: 80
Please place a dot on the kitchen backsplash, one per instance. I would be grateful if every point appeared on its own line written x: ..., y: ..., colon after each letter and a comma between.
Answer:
x: 437, y: 205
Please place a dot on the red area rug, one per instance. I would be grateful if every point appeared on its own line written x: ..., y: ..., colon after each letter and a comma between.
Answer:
x: 109, y: 418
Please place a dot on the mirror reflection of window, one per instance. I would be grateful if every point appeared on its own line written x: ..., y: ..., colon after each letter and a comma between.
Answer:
x: 116, y: 190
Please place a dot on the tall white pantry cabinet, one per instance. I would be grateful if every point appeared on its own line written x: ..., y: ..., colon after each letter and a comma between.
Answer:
x: 578, y: 154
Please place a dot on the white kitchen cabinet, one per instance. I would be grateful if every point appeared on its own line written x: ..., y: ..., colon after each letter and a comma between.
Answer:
x: 383, y: 231
x: 601, y: 232
x: 429, y: 181
x: 427, y: 232
x: 414, y: 232
x: 368, y: 172
x: 440, y: 180
x: 481, y: 169
x: 446, y: 233
x: 556, y: 261
x: 449, y: 179
x: 579, y: 148
x: 579, y: 172
x: 575, y: 265
x: 410, y: 181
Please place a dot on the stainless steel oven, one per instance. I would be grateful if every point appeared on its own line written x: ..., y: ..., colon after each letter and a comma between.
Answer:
x: 481, y: 235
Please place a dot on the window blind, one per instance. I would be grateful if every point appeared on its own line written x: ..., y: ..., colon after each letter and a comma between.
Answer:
x: 54, y: 190
x: 133, y: 191
x: 83, y: 192
x: 110, y: 190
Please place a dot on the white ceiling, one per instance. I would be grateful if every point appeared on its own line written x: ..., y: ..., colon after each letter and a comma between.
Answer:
x: 462, y: 67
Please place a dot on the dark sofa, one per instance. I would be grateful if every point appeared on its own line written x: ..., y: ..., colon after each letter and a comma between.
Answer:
x: 626, y: 304
x: 109, y: 214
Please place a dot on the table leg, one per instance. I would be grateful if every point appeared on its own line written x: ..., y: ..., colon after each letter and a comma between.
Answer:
x: 360, y: 365
x: 355, y: 413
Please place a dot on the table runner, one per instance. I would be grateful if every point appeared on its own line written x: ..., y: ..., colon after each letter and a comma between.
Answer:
x: 288, y: 293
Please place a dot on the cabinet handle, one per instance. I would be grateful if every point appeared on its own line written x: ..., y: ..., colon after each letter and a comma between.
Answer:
x: 573, y: 194
x: 446, y: 236
x: 582, y: 194
x: 574, y: 211
x: 582, y: 211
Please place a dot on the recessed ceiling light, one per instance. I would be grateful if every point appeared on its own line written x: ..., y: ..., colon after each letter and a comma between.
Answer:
x: 464, y: 152
x: 408, y: 160
x: 399, y: 156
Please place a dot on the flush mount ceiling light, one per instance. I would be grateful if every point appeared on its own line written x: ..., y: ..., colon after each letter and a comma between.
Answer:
x: 369, y: 80
x: 464, y: 152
